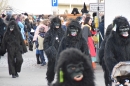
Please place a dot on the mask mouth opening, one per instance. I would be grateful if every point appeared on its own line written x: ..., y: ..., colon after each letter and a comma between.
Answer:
x: 78, y: 77
x: 11, y: 27
x: 57, y: 25
x: 73, y: 33
x: 125, y: 34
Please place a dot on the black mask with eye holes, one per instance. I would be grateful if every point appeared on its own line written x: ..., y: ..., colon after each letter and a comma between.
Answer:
x: 11, y: 27
x: 76, y: 71
x: 73, y: 31
x: 57, y: 25
x: 124, y: 30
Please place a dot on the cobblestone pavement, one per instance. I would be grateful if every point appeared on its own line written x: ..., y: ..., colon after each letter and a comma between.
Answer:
x: 33, y: 74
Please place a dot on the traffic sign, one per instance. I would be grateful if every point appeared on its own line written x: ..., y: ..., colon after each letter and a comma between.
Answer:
x: 93, y: 7
x: 54, y: 3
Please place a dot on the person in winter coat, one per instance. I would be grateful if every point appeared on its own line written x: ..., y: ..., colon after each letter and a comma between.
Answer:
x: 39, y: 45
x: 87, y: 34
x: 41, y: 25
x: 14, y: 44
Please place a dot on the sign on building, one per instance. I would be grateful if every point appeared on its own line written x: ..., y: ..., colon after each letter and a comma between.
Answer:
x: 93, y: 7
x: 54, y: 3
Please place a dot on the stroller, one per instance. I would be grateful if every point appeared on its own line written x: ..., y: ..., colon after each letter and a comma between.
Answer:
x: 121, y: 74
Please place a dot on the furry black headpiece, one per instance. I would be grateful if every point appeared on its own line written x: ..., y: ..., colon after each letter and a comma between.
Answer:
x: 76, y: 25
x: 120, y: 21
x: 74, y: 56
x: 26, y: 14
x: 121, y: 30
x: 15, y: 26
x: 75, y: 10
x: 84, y: 10
x: 54, y: 21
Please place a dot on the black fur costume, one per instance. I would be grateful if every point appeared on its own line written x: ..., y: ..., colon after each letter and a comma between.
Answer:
x: 69, y: 41
x: 14, y: 44
x: 101, y: 55
x: 51, y: 45
x: 74, y: 56
x: 117, y: 47
x: 2, y: 29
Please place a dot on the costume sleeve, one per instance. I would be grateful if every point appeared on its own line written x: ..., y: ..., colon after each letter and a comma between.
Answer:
x: 61, y: 48
x: 109, y: 56
x: 101, y: 51
x: 3, y: 46
x: 46, y: 44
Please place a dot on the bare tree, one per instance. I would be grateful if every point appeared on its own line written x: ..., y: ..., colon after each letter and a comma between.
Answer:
x: 3, y: 5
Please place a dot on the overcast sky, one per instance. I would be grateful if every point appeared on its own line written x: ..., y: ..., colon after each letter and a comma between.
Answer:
x: 31, y: 6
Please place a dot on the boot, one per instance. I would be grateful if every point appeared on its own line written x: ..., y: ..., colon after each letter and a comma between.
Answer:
x: 38, y: 61
x: 94, y: 65
x: 49, y: 83
x: 16, y: 74
x: 13, y: 76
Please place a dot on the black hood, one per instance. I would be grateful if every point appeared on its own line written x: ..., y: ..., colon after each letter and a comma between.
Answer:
x: 15, y: 26
x: 53, y: 21
x: 75, y: 24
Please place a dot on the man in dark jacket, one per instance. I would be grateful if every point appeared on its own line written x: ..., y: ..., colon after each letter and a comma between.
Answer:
x: 51, y: 44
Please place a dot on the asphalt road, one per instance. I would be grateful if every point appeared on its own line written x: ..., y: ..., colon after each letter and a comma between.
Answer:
x: 33, y: 74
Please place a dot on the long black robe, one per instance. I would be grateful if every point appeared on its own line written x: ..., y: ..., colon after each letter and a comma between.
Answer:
x: 14, y: 45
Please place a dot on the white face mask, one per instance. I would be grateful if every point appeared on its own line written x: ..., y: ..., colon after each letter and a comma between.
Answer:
x: 11, y: 27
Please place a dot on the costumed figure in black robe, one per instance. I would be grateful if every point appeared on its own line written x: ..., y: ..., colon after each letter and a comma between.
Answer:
x: 101, y: 56
x: 13, y: 43
x: 51, y: 44
x: 73, y: 69
x: 117, y: 47
x: 73, y: 38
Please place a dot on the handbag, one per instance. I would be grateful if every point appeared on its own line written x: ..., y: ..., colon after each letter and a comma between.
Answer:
x: 95, y: 39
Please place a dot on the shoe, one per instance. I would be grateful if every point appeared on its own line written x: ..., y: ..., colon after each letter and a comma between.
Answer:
x: 13, y: 76
x: 44, y: 63
x: 16, y: 75
x: 38, y: 62
x: 49, y: 83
